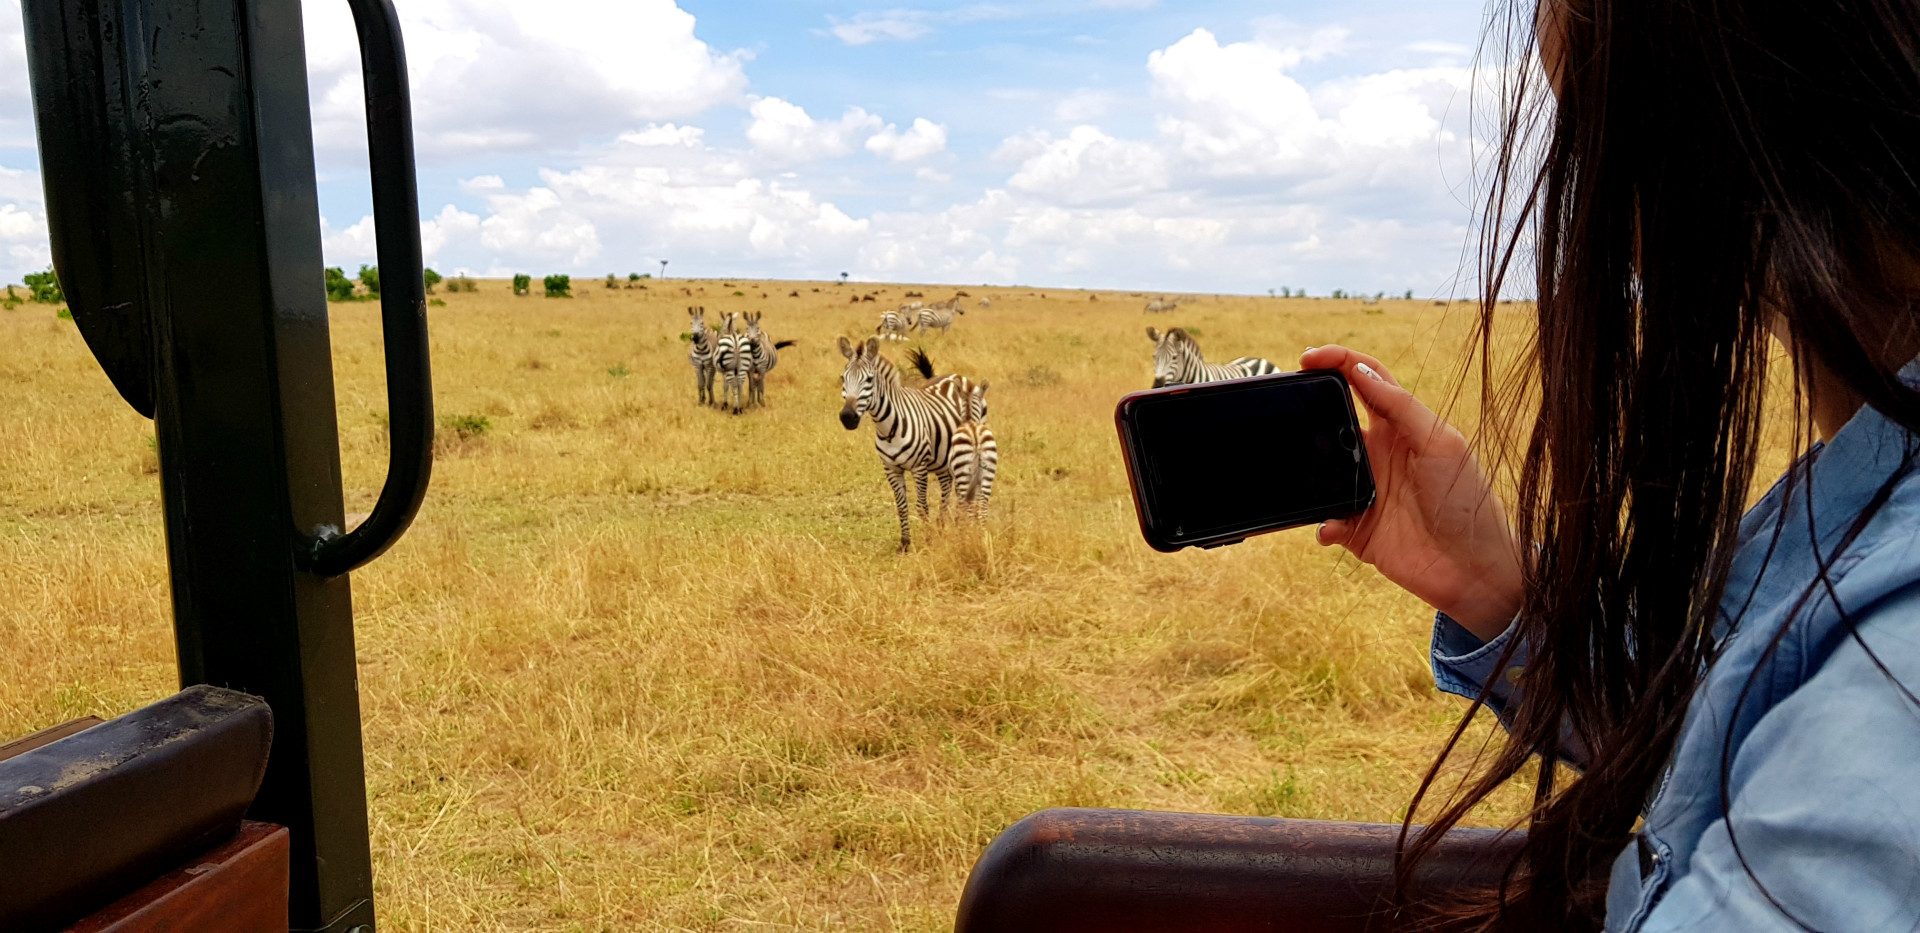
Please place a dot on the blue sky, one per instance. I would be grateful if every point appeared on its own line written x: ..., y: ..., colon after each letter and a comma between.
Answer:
x: 1193, y: 146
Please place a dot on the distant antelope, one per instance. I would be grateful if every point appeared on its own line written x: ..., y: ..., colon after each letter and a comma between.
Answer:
x: 1162, y: 304
x: 701, y: 356
x: 1177, y: 361
x: 912, y: 428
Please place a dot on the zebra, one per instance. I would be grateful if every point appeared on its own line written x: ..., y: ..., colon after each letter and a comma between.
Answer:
x: 701, y: 356
x: 912, y: 428
x: 975, y: 458
x: 733, y: 358
x: 938, y: 315
x: 1177, y: 361
x: 762, y: 356
x: 958, y: 389
x: 895, y: 324
x: 1162, y: 304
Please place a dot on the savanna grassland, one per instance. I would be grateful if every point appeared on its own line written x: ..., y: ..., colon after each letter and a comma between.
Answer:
x: 646, y: 666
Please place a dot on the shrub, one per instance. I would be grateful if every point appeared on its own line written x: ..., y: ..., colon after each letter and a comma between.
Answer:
x: 45, y: 287
x: 436, y: 303
x: 339, y: 287
x: 617, y: 371
x: 370, y: 277
x: 522, y: 284
x: 65, y: 313
x: 1409, y: 295
x: 635, y: 276
x: 559, y: 286
x: 467, y: 427
x: 1339, y: 293
x: 461, y: 283
x: 432, y: 278
x: 613, y: 281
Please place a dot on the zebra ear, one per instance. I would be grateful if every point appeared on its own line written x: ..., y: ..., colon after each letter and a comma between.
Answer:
x: 846, y: 349
x: 1153, y: 335
x: 873, y: 346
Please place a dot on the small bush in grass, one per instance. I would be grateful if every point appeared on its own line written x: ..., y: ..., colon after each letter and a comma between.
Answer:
x: 65, y: 313
x: 559, y: 286
x: 522, y: 284
x: 432, y: 278
x: 467, y: 427
x: 613, y: 281
x: 370, y: 277
x: 436, y: 303
x: 339, y: 287
x: 618, y: 371
x: 45, y: 287
x: 462, y: 283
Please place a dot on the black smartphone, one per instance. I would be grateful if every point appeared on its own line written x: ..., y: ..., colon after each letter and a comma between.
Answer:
x: 1216, y: 463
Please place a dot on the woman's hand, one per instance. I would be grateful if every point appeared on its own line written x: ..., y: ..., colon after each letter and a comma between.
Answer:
x: 1435, y: 528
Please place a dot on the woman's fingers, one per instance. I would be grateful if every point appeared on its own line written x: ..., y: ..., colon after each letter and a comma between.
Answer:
x: 1344, y: 359
x: 1334, y: 531
x: 1384, y: 397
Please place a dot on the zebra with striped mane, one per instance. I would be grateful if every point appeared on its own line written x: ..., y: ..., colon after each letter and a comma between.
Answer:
x: 912, y: 428
x: 763, y: 354
x: 1177, y: 361
x: 733, y: 358
x: 939, y: 316
x: 895, y: 324
x: 975, y: 457
x: 701, y: 356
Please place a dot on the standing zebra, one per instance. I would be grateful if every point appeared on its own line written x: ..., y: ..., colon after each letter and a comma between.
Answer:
x: 895, y: 324
x: 1177, y: 361
x: 763, y: 355
x: 1159, y: 305
x: 733, y: 358
x: 975, y: 458
x: 912, y: 428
x: 701, y: 356
x: 938, y: 315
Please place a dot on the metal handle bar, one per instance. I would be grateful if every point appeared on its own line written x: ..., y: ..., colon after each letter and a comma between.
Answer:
x: 403, y: 300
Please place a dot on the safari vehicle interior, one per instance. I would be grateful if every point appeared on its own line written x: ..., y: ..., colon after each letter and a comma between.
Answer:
x: 177, y: 148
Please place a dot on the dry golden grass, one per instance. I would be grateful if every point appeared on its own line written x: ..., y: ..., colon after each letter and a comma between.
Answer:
x: 643, y: 666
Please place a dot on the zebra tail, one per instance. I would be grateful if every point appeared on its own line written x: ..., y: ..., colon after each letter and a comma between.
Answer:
x: 917, y: 358
x: 782, y: 345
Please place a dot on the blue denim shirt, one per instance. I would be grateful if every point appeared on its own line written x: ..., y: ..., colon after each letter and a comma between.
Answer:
x: 1823, y: 757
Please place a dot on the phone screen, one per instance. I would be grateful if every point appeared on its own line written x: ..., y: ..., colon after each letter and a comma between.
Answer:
x: 1215, y: 463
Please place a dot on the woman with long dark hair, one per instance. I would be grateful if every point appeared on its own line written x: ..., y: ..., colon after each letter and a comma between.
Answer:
x: 1718, y: 710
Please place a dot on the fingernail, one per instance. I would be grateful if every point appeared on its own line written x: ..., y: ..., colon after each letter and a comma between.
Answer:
x: 1367, y: 371
x: 1311, y: 349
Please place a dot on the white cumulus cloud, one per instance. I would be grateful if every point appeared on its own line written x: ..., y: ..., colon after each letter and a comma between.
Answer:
x: 922, y: 139
x: 784, y: 131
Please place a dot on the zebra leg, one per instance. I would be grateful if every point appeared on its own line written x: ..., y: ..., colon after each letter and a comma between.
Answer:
x: 946, y: 493
x: 920, y: 495
x: 898, y: 481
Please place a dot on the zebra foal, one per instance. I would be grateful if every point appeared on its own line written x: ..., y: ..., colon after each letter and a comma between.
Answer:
x: 975, y: 457
x: 912, y: 428
x: 763, y: 354
x: 733, y: 357
x: 1177, y: 361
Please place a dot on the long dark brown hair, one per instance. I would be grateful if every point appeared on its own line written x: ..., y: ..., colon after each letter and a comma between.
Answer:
x: 1711, y: 171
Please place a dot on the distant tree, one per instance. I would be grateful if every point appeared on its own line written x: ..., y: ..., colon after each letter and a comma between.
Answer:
x: 370, y: 277
x: 1409, y: 295
x: 843, y: 278
x: 1272, y: 293
x: 522, y: 284
x: 663, y: 268
x: 613, y: 281
x: 634, y: 277
x: 432, y: 278
x: 45, y: 287
x: 339, y: 287
x: 559, y: 286
x: 1339, y: 293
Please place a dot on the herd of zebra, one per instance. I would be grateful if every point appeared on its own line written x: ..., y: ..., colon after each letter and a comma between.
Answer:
x: 936, y: 430
x: 896, y: 324
x: 740, y: 360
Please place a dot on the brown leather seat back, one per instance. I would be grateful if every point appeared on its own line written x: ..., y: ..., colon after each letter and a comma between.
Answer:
x: 94, y: 815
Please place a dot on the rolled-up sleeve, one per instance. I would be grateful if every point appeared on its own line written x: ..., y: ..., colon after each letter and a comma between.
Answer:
x: 1463, y: 664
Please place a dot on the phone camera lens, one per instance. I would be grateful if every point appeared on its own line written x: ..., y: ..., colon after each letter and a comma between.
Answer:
x: 1179, y: 531
x: 1347, y: 439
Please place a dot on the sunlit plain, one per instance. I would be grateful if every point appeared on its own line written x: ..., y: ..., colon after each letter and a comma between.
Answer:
x: 642, y: 665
